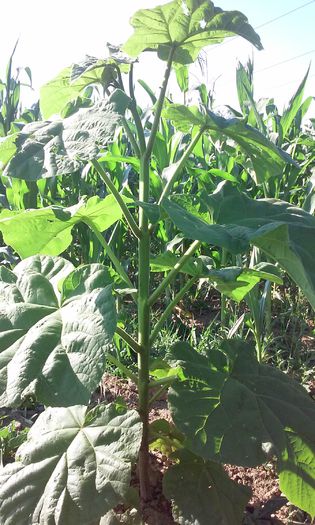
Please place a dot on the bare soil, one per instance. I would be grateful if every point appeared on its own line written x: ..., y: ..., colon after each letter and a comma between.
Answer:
x: 267, y: 505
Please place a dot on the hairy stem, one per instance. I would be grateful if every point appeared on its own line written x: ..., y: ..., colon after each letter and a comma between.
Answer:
x: 112, y: 188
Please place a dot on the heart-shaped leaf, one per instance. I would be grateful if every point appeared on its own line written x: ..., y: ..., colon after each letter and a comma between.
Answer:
x: 53, y: 347
x: 48, y: 230
x: 74, y: 467
x: 233, y: 409
x: 183, y: 28
x: 218, y: 500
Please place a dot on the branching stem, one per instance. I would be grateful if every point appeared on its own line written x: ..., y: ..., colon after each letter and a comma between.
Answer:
x: 112, y: 188
x: 117, y: 264
x: 128, y: 339
x: 173, y: 273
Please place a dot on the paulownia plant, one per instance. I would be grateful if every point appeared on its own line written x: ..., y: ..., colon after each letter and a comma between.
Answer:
x: 57, y: 322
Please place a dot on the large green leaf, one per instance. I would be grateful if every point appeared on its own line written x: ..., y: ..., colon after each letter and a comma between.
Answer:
x: 48, y: 230
x: 217, y: 500
x: 234, y: 282
x: 56, y: 94
x: 267, y: 159
x: 284, y: 232
x: 74, y: 467
x: 53, y: 347
x: 46, y: 149
x: 297, y: 472
x: 233, y: 409
x: 184, y: 28
x: 71, y: 82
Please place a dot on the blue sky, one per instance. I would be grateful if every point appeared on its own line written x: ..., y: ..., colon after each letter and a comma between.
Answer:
x: 55, y: 34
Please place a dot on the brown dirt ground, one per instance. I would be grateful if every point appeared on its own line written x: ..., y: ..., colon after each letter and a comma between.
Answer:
x: 267, y: 505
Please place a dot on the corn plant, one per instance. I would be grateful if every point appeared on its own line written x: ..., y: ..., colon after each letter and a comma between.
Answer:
x: 58, y: 321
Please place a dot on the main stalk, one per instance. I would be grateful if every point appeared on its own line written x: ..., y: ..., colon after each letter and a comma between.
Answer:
x: 144, y: 293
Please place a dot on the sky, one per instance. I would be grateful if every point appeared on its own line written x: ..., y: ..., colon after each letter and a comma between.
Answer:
x: 53, y: 35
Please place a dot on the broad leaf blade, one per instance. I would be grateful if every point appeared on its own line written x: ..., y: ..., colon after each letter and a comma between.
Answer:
x: 61, y: 147
x: 297, y: 472
x: 233, y: 409
x: 48, y: 230
x: 184, y: 28
x: 74, y: 467
x: 284, y: 232
x: 71, y: 82
x: 218, y: 500
x: 234, y: 282
x: 54, y: 352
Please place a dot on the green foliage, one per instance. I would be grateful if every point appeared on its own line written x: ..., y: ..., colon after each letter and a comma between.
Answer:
x: 182, y: 29
x: 218, y: 500
x: 71, y: 456
x: 52, y: 346
x: 267, y: 159
x: 60, y: 147
x: 55, y: 224
x: 152, y: 181
x: 284, y: 232
x: 234, y: 410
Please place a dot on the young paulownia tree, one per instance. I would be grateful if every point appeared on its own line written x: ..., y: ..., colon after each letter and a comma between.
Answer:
x: 57, y: 322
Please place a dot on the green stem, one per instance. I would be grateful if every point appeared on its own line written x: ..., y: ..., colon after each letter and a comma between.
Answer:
x: 128, y: 339
x: 223, y: 297
x: 131, y: 138
x: 173, y: 273
x: 167, y: 312
x: 135, y: 114
x: 112, y: 188
x: 159, y: 106
x: 158, y: 394
x: 169, y: 186
x: 118, y: 266
x: 167, y: 381
x: 143, y: 296
x: 121, y: 367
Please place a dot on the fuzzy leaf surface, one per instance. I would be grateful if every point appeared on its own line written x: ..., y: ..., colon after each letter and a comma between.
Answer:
x: 50, y: 347
x: 297, y: 472
x: 60, y: 147
x: 74, y: 467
